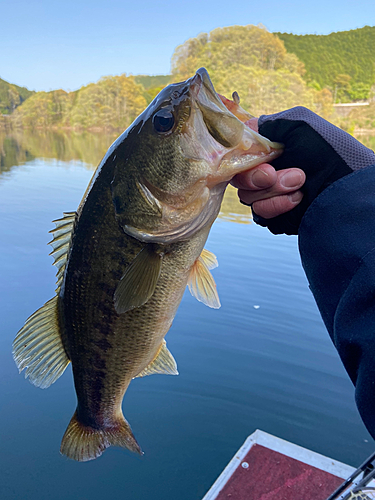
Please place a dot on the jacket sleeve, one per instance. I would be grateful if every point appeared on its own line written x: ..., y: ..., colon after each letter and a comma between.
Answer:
x: 337, y: 247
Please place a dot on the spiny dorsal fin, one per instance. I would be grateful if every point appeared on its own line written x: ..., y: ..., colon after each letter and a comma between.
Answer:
x: 201, y: 284
x: 139, y: 281
x: 38, y: 347
x: 62, y: 237
x: 163, y: 362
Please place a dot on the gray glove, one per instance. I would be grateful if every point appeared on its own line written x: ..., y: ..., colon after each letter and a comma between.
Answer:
x: 324, y: 152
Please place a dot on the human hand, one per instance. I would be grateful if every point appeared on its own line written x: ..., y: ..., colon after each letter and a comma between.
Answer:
x: 270, y: 193
x: 324, y: 152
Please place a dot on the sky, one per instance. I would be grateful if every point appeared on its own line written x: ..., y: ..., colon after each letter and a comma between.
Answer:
x: 46, y: 45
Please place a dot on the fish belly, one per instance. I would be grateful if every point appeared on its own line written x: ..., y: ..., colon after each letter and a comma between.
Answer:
x: 107, y: 349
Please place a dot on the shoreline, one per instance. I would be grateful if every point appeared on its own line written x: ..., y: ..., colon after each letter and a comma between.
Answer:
x: 8, y: 127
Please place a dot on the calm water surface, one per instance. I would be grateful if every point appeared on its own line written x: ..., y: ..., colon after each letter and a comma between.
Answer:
x: 262, y: 361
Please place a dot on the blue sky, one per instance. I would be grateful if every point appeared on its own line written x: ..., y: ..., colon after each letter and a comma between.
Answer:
x: 45, y: 45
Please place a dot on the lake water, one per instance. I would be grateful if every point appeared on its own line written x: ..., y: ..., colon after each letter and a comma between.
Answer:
x: 262, y: 361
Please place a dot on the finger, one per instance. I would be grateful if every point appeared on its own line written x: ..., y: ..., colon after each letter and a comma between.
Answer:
x: 277, y: 205
x: 287, y: 181
x: 261, y: 177
x: 253, y: 124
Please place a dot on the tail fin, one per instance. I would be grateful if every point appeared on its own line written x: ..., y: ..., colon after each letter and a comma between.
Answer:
x: 84, y: 443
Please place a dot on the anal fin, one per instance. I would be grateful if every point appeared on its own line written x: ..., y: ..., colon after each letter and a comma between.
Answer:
x: 163, y: 363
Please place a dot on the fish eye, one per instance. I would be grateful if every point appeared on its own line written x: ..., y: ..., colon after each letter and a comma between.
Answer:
x: 163, y: 121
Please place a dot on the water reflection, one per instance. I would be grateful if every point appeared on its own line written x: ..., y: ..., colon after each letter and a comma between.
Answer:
x: 232, y: 210
x: 264, y: 360
x: 12, y: 154
x: 18, y: 147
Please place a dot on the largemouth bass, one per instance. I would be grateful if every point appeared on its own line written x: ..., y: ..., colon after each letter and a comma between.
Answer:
x: 126, y: 256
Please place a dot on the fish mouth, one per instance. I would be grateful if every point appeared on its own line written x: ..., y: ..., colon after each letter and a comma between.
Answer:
x: 205, y: 79
x: 214, y: 138
x: 241, y: 147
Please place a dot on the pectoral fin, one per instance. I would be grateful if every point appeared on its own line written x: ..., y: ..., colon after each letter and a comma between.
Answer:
x: 163, y: 362
x: 201, y: 284
x: 139, y: 281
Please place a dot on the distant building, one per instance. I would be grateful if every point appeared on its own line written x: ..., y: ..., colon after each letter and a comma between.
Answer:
x: 343, y: 109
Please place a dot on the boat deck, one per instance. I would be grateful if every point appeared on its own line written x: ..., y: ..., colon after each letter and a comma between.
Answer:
x: 269, y: 468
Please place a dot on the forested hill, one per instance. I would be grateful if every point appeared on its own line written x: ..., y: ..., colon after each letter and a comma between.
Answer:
x: 345, y: 58
x: 12, y: 96
x: 270, y: 71
x: 152, y: 84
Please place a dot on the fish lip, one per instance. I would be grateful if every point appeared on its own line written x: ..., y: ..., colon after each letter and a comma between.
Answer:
x: 202, y: 79
x: 272, y: 149
x: 206, y: 80
x: 196, y: 83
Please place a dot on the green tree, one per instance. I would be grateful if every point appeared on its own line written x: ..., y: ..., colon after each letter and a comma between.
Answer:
x: 344, y: 53
x: 250, y: 46
x: 251, y: 61
x: 323, y: 102
x: 342, y: 88
x: 43, y: 109
x: 359, y: 92
x: 113, y: 102
x: 12, y: 96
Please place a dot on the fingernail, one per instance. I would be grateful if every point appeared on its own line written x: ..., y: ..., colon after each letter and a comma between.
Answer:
x: 291, y: 179
x: 295, y: 197
x: 260, y: 179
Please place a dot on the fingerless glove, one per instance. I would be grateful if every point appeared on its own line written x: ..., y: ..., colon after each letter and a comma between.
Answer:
x: 323, y: 151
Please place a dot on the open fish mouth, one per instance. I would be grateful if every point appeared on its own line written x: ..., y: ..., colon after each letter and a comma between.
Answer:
x: 217, y: 142
x: 139, y: 235
x: 233, y: 106
x: 242, y: 147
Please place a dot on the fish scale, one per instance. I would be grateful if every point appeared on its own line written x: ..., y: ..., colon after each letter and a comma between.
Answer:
x: 125, y: 258
x: 137, y: 339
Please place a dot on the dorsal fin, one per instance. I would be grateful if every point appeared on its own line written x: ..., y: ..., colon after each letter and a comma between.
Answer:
x: 201, y: 284
x: 163, y: 362
x: 139, y: 280
x: 38, y: 346
x: 62, y: 237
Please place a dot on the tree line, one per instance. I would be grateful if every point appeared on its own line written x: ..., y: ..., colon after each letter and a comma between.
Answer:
x: 256, y: 64
x: 344, y: 62
x: 12, y: 96
x: 270, y: 72
x: 112, y: 102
